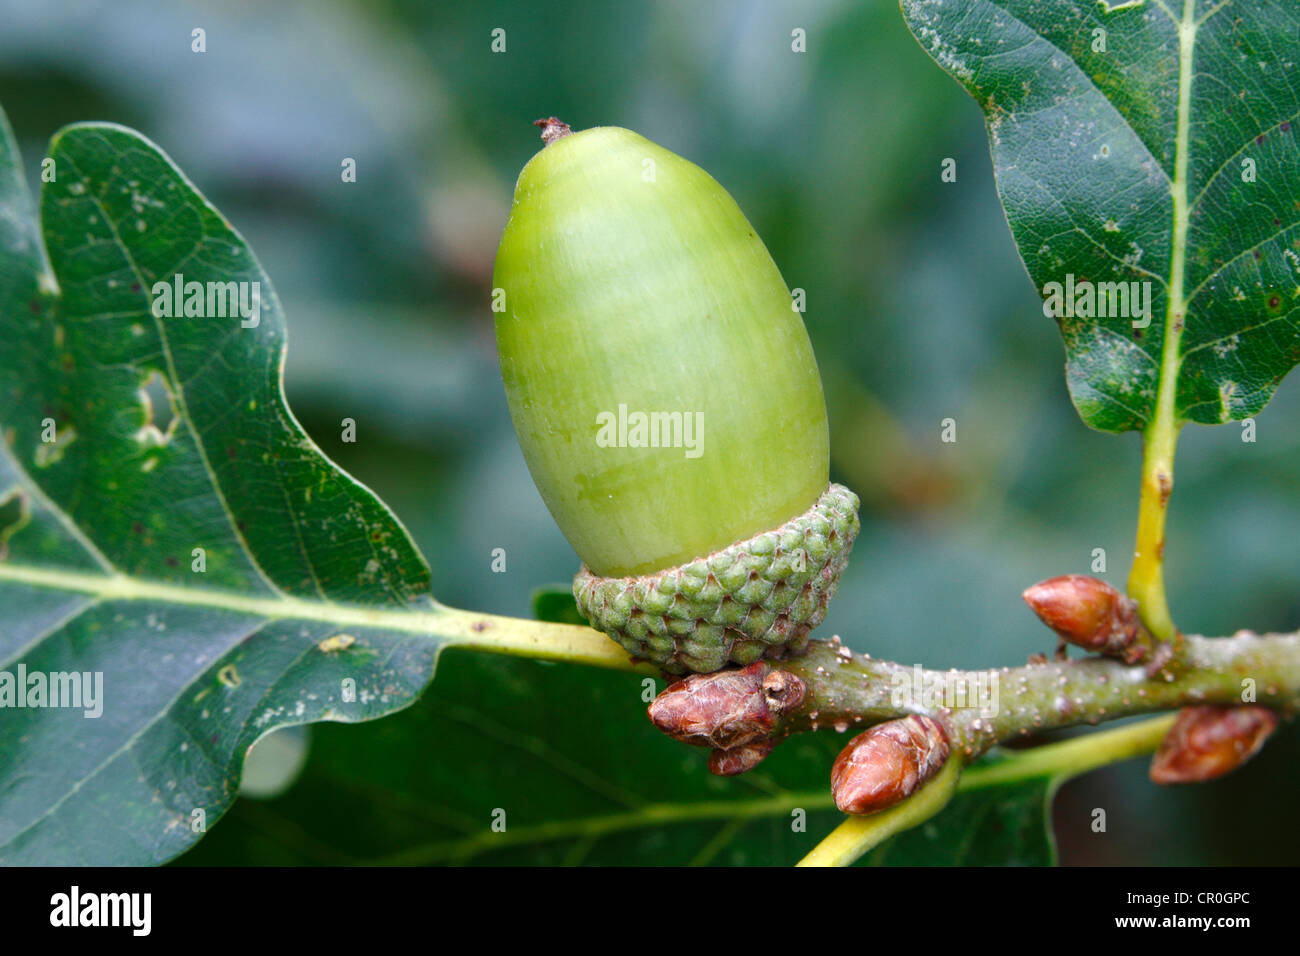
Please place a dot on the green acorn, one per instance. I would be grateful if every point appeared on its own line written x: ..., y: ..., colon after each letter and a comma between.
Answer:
x: 668, y: 404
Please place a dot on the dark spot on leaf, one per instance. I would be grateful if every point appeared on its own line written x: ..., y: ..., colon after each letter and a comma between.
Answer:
x: 135, y: 287
x: 35, y: 306
x: 231, y: 453
x: 137, y: 527
x: 171, y: 562
x: 1286, y: 127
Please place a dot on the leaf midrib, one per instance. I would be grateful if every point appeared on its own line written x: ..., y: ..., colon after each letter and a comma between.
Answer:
x: 449, y: 626
x: 112, y: 587
x: 1164, y: 420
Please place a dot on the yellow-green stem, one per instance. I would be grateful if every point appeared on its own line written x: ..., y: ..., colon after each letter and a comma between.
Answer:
x: 856, y: 835
x: 1146, y: 583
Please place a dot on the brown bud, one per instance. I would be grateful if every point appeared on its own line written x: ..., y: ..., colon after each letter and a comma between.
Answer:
x: 728, y: 763
x: 1087, y: 612
x: 888, y: 763
x: 1208, y: 741
x: 727, y: 709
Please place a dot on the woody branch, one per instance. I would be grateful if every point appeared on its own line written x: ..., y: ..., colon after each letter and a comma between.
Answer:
x: 743, y: 713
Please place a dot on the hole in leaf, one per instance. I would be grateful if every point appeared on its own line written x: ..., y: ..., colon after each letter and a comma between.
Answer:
x: 159, y: 411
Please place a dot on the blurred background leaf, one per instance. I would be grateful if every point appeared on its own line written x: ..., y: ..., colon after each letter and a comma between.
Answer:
x: 918, y: 307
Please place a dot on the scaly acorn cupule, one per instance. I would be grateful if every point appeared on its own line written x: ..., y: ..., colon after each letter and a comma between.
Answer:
x: 667, y: 402
x: 757, y: 598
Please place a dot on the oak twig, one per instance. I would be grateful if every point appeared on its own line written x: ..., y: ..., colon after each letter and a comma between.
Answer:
x: 831, y: 686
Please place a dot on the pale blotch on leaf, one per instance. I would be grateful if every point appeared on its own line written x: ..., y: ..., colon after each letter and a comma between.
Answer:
x: 51, y: 453
x: 338, y: 642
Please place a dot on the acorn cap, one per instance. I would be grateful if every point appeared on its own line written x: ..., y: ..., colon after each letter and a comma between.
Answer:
x: 759, y: 597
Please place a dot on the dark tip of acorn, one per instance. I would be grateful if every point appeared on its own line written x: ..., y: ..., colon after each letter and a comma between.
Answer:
x: 553, y: 128
x: 1209, y: 741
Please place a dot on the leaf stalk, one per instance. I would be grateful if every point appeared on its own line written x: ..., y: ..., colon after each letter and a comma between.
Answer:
x: 1146, y: 583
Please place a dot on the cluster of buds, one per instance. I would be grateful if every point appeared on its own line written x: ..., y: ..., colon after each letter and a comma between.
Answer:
x: 742, y: 713
x: 1206, y: 741
x: 735, y: 712
x: 739, y: 713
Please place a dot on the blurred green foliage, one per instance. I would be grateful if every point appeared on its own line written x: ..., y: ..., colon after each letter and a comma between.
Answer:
x: 918, y: 307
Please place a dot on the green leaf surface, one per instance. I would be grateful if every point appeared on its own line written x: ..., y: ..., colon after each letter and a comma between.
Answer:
x: 129, y: 441
x: 1151, y: 142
